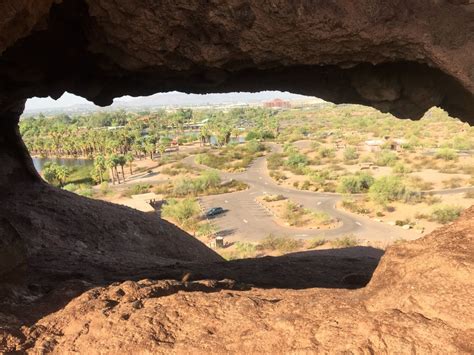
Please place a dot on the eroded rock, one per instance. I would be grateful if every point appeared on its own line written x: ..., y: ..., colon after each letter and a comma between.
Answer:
x: 418, y: 302
x: 401, y: 56
x: 12, y: 253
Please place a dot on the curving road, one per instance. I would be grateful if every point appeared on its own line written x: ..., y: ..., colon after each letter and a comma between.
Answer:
x: 246, y: 220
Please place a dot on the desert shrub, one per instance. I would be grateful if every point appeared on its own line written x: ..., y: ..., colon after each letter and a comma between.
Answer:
x: 418, y: 183
x: 453, y: 183
x: 463, y: 142
x: 467, y: 169
x: 85, y: 190
x: 209, y: 179
x: 350, y: 154
x: 70, y: 187
x: 400, y: 168
x: 469, y: 194
x: 275, y: 161
x: 322, y: 217
x: 274, y: 198
x: 289, y: 149
x: 403, y: 222
x: 292, y: 213
x: 345, y: 242
x: 297, y: 160
x: 137, y: 189
x: 325, y: 152
x: 163, y: 188
x: 335, y: 167
x: 282, y: 244
x: 329, y: 186
x: 450, y: 168
x: 252, y: 135
x: 431, y: 199
x: 355, y: 206
x: 206, y: 230
x: 184, y: 212
x: 316, y: 242
x: 184, y: 187
x: 446, y: 154
x: 445, y: 214
x: 386, y: 158
x: 104, y: 188
x: 246, y: 250
x: 254, y: 146
x: 319, y: 177
x: 357, y: 183
x: 278, y: 176
x: 306, y: 185
x: 419, y: 215
x: 211, y: 160
x: 234, y: 254
x: 387, y: 189
x: 170, y: 171
x: 411, y: 196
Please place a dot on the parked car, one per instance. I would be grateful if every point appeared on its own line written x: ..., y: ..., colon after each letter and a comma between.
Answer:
x: 214, y: 212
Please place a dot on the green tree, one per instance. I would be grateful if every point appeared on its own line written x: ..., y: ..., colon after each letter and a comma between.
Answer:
x: 111, y: 165
x: 129, y: 159
x: 56, y: 174
x: 49, y: 173
x: 354, y: 184
x: 100, y: 168
x: 122, y: 161
x: 184, y: 212
x: 387, y: 189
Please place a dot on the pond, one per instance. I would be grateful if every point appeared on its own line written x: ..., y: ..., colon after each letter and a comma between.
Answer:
x: 39, y: 163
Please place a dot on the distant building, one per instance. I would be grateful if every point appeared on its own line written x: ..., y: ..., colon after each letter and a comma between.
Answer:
x: 376, y: 145
x: 277, y: 103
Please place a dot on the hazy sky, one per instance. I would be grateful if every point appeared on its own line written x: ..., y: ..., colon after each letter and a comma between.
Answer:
x: 68, y: 100
x: 64, y: 101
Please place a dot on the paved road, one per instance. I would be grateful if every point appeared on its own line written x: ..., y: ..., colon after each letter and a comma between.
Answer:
x: 248, y: 220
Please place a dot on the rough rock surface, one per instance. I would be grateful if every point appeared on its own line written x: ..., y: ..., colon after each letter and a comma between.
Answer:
x: 401, y: 56
x: 12, y: 252
x: 70, y: 236
x: 404, y: 309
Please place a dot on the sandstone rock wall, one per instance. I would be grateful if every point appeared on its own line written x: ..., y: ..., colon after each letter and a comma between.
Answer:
x: 400, y: 56
x: 419, y: 301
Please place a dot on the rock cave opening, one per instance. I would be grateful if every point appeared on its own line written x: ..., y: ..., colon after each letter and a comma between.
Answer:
x: 63, y: 257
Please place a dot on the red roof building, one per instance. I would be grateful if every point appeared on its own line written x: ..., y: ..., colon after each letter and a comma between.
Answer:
x: 277, y: 103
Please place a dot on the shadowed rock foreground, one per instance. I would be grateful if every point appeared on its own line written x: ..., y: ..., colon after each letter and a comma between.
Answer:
x: 418, y: 300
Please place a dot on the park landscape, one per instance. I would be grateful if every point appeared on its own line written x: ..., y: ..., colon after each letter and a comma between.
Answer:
x: 288, y: 179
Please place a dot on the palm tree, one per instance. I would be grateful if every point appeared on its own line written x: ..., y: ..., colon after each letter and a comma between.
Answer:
x: 116, y: 162
x: 62, y: 172
x: 129, y: 158
x: 150, y: 149
x: 100, y: 166
x: 110, y: 162
x: 121, y: 160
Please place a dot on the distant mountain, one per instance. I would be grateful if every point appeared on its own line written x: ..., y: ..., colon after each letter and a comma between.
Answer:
x: 170, y: 99
x: 182, y: 99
